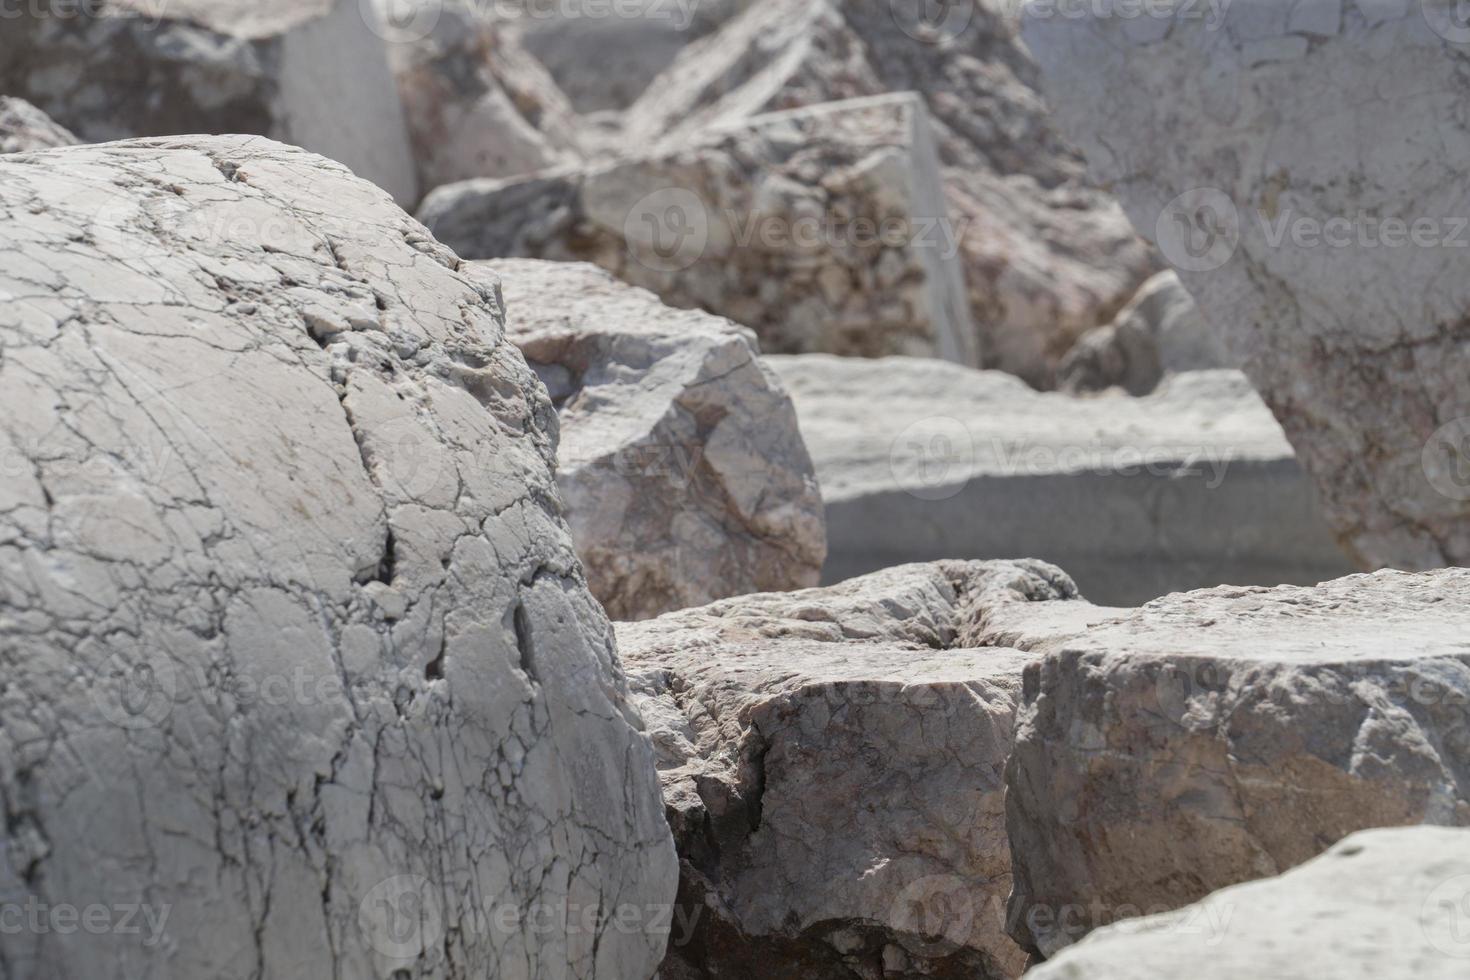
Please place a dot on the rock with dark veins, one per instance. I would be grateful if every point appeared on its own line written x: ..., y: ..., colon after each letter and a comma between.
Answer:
x: 1382, y: 903
x: 1215, y: 737
x: 313, y: 73
x: 1299, y: 164
x: 684, y: 474
x: 24, y: 127
x: 297, y: 651
x: 832, y: 767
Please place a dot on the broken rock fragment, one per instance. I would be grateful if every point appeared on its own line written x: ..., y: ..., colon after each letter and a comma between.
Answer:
x: 298, y: 654
x: 821, y: 229
x: 24, y: 127
x: 684, y: 474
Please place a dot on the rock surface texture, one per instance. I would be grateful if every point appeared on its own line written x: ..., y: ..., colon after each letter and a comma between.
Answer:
x: 1160, y: 332
x: 1215, y: 737
x: 297, y: 652
x: 831, y: 762
x: 1382, y: 903
x: 477, y: 104
x: 309, y: 72
x: 821, y: 229
x: 1296, y: 163
x: 684, y: 475
x: 1046, y: 257
x: 24, y: 127
x: 1190, y: 487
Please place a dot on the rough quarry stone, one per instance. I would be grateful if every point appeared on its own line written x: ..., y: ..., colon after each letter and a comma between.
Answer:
x: 477, y: 104
x: 1160, y: 332
x: 1297, y: 164
x: 1046, y: 256
x: 684, y: 475
x: 821, y: 229
x: 1215, y: 737
x: 24, y: 127
x: 297, y: 655
x: 309, y: 72
x: 1382, y: 903
x: 831, y: 763
x: 1135, y: 497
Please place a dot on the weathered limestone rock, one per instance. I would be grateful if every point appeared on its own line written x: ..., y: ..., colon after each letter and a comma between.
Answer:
x: 683, y: 471
x: 1160, y: 332
x: 477, y: 104
x: 831, y: 762
x: 822, y: 230
x: 297, y: 651
x: 309, y: 72
x: 24, y: 127
x: 1382, y: 903
x: 1135, y: 497
x: 1298, y: 163
x: 1046, y: 256
x: 1220, y: 736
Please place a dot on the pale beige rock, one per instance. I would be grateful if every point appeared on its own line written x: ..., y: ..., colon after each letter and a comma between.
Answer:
x: 1215, y: 737
x: 24, y: 127
x: 821, y: 229
x: 309, y: 72
x: 1382, y: 903
x: 1297, y: 164
x: 683, y: 471
x: 831, y: 762
x: 298, y: 655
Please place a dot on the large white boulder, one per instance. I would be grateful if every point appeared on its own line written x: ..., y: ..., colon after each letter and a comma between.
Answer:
x: 832, y: 762
x: 1299, y: 165
x: 1215, y: 737
x: 821, y: 229
x: 1382, y: 903
x: 298, y: 656
x: 1189, y: 487
x: 309, y: 72
x: 684, y: 474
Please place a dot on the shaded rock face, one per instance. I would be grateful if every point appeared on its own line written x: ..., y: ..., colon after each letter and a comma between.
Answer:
x: 831, y: 762
x: 1296, y: 164
x: 309, y: 72
x: 1380, y: 903
x: 1220, y: 736
x: 822, y: 229
x: 1187, y: 488
x: 1046, y: 257
x: 476, y: 103
x: 683, y: 471
x: 298, y: 654
x: 1159, y: 333
x: 24, y: 127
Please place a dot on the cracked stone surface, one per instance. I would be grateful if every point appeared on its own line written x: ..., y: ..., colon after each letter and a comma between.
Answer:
x: 1215, y: 737
x: 24, y: 127
x: 296, y: 647
x: 1160, y: 332
x: 831, y: 763
x: 307, y: 72
x: 1297, y: 164
x: 1381, y: 903
x: 1046, y: 256
x: 476, y: 103
x: 684, y: 474
x: 1136, y: 497
x: 821, y: 229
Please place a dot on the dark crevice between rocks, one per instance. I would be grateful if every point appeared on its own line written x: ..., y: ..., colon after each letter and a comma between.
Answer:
x: 521, y: 622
